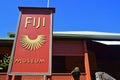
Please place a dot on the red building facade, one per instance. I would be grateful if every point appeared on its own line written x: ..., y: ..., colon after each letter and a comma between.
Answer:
x: 71, y: 49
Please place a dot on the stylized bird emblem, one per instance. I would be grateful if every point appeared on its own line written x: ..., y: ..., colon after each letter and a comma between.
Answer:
x: 32, y: 44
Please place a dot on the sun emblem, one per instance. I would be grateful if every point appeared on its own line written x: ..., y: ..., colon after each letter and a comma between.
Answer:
x: 32, y: 44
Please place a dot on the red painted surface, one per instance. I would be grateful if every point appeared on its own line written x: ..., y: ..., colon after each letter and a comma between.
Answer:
x: 55, y: 76
x: 63, y: 48
x: 86, y: 63
x: 66, y: 76
x: 32, y: 78
x: 3, y: 76
x: 30, y: 59
x: 68, y: 48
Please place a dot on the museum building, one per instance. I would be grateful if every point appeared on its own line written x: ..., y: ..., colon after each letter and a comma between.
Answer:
x: 90, y: 51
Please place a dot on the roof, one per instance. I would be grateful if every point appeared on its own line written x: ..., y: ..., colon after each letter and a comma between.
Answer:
x: 100, y: 37
x: 79, y: 34
x: 87, y: 35
x: 36, y: 9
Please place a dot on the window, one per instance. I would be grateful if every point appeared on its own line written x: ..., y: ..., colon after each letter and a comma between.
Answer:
x: 65, y: 64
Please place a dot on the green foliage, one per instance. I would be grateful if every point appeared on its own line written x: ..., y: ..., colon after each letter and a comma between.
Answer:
x: 4, y: 62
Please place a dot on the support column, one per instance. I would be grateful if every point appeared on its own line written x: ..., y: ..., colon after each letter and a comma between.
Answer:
x: 86, y: 61
x: 13, y: 77
x: 45, y: 77
x: 7, y: 77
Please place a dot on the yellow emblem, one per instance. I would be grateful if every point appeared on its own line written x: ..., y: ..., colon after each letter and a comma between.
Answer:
x: 34, y: 44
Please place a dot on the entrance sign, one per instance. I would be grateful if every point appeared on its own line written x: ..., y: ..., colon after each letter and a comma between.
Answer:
x: 32, y: 49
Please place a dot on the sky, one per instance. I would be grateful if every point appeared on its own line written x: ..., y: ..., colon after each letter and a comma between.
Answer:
x: 70, y: 15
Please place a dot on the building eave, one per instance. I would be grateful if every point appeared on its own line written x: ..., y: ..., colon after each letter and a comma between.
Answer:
x: 77, y: 34
x: 88, y: 35
x: 6, y: 40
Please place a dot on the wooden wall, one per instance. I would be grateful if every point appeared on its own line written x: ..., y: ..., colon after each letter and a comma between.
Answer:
x: 67, y: 54
x: 67, y: 47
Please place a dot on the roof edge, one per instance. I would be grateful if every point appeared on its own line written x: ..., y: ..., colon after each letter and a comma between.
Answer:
x: 81, y: 34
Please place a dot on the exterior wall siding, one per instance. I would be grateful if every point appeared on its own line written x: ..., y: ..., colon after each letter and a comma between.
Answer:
x: 60, y: 48
x: 68, y: 48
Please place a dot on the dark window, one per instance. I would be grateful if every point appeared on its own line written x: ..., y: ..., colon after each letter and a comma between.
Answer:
x: 65, y: 64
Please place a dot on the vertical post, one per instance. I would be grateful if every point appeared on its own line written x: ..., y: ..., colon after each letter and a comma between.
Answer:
x: 7, y: 77
x: 45, y: 78
x: 86, y: 58
x: 48, y: 3
x: 13, y: 77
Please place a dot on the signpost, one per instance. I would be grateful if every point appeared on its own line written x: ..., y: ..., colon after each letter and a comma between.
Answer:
x: 32, y: 49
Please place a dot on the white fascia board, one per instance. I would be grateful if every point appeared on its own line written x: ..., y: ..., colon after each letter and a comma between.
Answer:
x: 108, y: 42
x: 87, y: 34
